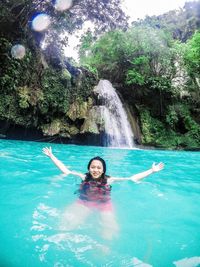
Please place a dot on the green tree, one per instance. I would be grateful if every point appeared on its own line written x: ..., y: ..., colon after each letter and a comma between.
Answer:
x: 192, y: 55
x: 182, y: 23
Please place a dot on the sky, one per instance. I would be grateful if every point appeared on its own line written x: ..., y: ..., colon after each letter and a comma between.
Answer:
x: 135, y: 9
x: 139, y: 9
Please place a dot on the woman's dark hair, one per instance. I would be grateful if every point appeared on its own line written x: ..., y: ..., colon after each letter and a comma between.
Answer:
x: 99, y: 159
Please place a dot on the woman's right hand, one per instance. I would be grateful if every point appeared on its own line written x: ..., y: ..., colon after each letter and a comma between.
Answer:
x: 47, y: 151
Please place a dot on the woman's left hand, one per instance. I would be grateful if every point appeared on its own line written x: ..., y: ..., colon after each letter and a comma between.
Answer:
x: 157, y: 167
x: 47, y: 151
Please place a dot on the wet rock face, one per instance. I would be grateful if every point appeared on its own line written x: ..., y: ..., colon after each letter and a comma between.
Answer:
x: 86, y: 122
x: 52, y: 128
x: 60, y: 128
x: 82, y: 119
x: 93, y: 123
x: 101, y: 120
x: 79, y: 110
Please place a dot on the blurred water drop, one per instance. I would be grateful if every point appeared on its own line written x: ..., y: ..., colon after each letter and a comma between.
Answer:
x: 41, y: 22
x: 18, y: 51
x: 62, y: 5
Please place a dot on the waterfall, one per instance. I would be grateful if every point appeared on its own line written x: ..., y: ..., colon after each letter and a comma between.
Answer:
x: 118, y: 131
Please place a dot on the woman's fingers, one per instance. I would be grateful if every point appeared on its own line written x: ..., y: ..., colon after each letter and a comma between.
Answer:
x: 47, y: 151
x: 157, y: 167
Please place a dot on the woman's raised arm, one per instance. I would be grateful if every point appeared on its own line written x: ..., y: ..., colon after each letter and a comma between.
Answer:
x: 139, y: 176
x: 154, y: 168
x: 48, y: 152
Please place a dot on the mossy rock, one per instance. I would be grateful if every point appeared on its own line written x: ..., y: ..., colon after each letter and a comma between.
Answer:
x: 93, y: 123
x: 52, y: 128
x: 59, y: 127
x: 79, y: 110
x: 66, y: 75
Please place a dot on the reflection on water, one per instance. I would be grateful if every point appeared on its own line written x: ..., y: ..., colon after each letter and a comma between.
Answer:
x: 188, y: 262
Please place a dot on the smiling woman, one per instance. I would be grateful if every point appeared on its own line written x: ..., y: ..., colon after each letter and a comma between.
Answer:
x: 94, y: 194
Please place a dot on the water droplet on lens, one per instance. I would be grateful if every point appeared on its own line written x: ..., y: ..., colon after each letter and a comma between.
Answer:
x: 41, y: 22
x: 18, y: 51
x: 62, y: 5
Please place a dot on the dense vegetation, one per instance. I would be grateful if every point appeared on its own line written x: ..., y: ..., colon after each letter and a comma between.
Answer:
x: 157, y: 72
x: 38, y: 89
x: 154, y: 64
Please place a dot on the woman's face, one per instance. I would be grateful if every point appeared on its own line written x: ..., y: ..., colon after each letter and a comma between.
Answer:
x: 96, y: 169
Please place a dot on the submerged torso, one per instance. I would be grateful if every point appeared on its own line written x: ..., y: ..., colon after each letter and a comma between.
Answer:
x: 95, y: 190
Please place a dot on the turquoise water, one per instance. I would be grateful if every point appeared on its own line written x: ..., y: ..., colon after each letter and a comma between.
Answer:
x: 159, y: 219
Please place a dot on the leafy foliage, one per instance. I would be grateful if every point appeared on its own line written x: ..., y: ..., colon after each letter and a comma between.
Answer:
x: 142, y: 61
x: 181, y: 23
x: 192, y: 55
x: 34, y: 89
x: 16, y: 16
x: 139, y: 56
x: 146, y: 61
x: 158, y: 133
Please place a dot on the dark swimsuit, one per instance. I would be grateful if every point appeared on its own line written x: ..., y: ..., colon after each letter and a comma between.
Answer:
x: 95, y: 194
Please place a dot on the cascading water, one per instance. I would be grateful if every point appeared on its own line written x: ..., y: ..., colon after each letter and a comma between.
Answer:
x: 118, y: 131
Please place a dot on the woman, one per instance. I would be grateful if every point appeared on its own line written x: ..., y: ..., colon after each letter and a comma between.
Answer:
x: 94, y: 193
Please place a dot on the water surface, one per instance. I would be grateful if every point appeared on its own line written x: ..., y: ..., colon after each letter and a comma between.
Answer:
x: 159, y: 218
